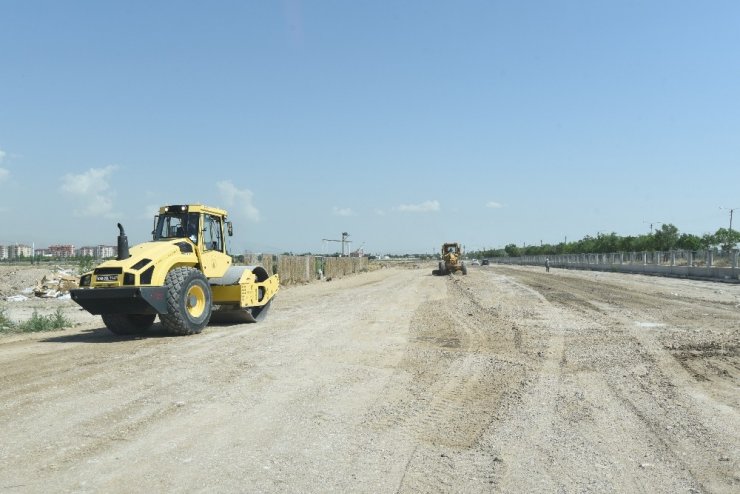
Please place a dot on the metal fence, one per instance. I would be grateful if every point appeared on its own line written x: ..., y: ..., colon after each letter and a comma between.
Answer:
x: 701, y: 264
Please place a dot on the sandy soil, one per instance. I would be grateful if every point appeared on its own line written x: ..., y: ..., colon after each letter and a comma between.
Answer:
x: 506, y: 380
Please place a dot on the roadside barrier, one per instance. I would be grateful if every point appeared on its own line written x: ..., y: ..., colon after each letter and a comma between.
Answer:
x: 707, y: 264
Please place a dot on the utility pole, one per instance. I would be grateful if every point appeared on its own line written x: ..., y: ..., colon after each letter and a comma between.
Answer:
x: 343, y: 241
x: 651, y: 225
x: 731, y: 211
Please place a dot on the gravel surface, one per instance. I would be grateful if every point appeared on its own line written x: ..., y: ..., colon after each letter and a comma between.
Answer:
x: 509, y: 379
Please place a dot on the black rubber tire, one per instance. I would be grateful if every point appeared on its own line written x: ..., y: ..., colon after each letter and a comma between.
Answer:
x: 128, y: 324
x: 435, y: 272
x: 184, y: 314
x: 442, y: 270
x: 464, y: 269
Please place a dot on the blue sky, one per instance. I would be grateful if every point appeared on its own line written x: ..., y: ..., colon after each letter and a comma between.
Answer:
x: 406, y: 124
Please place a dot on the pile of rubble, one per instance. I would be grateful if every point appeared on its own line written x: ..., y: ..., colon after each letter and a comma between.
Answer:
x: 58, y: 285
x: 54, y: 285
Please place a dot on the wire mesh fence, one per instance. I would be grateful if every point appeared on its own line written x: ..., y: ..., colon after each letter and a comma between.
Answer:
x: 710, y: 263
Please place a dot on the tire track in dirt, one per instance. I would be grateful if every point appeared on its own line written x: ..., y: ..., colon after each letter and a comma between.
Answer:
x: 463, y: 362
x: 643, y: 380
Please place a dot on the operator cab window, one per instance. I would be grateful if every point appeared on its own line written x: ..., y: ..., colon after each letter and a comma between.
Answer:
x: 212, y: 233
x: 178, y: 226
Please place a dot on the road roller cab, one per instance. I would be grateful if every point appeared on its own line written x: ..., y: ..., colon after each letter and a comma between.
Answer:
x: 184, y: 275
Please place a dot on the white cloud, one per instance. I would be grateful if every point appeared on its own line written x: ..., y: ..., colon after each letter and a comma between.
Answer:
x: 494, y: 205
x: 91, y: 191
x: 424, y: 207
x: 343, y: 212
x: 240, y: 200
x: 3, y: 154
x: 380, y: 212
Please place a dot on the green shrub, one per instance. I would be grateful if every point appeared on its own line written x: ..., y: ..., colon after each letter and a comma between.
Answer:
x: 44, y: 323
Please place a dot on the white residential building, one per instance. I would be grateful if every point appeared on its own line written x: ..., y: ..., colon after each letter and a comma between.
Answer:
x: 19, y: 250
x: 98, y: 251
x: 86, y: 251
x: 105, y: 251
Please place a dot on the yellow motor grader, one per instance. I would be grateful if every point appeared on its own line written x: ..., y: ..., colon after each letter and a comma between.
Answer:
x: 184, y: 275
x: 451, y: 260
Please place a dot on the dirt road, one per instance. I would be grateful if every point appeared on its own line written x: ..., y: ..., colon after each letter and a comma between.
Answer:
x: 505, y: 380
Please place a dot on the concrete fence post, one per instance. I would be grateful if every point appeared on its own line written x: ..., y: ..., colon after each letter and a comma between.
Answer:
x: 673, y: 258
x: 690, y: 259
x: 644, y: 258
x: 710, y: 258
x: 621, y: 258
x: 734, y: 259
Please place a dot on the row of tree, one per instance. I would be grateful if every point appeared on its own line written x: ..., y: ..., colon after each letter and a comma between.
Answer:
x: 666, y: 238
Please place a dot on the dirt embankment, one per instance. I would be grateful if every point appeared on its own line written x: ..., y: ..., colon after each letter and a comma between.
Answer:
x: 505, y: 380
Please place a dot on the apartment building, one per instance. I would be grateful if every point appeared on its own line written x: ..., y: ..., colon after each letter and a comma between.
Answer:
x: 16, y: 251
x: 98, y: 251
x: 66, y: 250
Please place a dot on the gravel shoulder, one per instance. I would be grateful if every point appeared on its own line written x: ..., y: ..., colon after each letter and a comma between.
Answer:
x: 509, y: 379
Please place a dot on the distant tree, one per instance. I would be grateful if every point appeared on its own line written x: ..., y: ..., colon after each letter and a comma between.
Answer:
x: 708, y: 241
x: 585, y: 245
x: 512, y: 250
x: 606, y: 243
x: 643, y: 242
x: 688, y: 241
x: 626, y: 244
x: 532, y: 250
x: 666, y: 238
x: 727, y: 238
